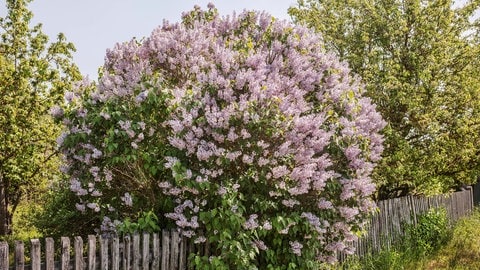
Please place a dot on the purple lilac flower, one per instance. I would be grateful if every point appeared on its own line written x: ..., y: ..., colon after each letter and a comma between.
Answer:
x: 56, y: 111
x: 127, y: 199
x: 251, y: 223
x: 259, y: 244
x: 296, y: 248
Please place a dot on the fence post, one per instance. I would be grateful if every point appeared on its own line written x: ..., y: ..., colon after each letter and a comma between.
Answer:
x: 165, y: 265
x: 92, y: 248
x: 156, y: 252
x: 78, y: 253
x: 4, y: 256
x: 174, y: 246
x: 35, y: 254
x: 115, y: 253
x: 136, y: 252
x: 19, y: 255
x: 183, y: 255
x: 65, y: 263
x: 145, y: 251
x: 49, y: 254
x: 103, y: 252
x: 414, y: 210
x: 127, y: 257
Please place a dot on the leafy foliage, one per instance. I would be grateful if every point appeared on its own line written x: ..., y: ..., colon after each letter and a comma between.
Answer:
x: 241, y: 127
x: 419, y: 61
x: 57, y: 213
x: 146, y: 222
x: 422, y: 240
x: 33, y: 77
x: 430, y: 233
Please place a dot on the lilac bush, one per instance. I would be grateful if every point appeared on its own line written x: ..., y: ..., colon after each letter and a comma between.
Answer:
x: 239, y: 130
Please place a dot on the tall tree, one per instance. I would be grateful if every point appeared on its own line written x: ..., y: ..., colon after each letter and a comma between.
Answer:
x: 420, y: 63
x: 34, y: 75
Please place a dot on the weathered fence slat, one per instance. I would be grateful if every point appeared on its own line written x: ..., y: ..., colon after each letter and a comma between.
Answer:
x: 145, y: 251
x: 103, y: 252
x: 4, y: 263
x: 19, y: 255
x: 78, y: 253
x: 115, y: 254
x: 182, y: 258
x: 136, y: 252
x: 92, y: 242
x: 65, y: 263
x: 165, y: 265
x: 126, y: 253
x: 156, y: 252
x: 35, y: 254
x: 414, y: 210
x: 174, y: 248
x: 49, y: 254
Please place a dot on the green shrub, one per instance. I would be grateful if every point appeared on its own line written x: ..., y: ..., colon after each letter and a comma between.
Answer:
x: 59, y: 216
x: 429, y: 234
x: 147, y: 222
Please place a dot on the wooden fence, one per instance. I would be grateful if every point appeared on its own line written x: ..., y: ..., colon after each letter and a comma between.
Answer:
x: 169, y: 251
x: 165, y: 251
x: 387, y: 225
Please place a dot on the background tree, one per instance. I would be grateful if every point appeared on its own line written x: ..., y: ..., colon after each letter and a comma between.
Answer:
x: 33, y: 77
x: 420, y: 63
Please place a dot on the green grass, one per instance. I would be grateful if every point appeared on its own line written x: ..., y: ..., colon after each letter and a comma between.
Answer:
x: 463, y: 249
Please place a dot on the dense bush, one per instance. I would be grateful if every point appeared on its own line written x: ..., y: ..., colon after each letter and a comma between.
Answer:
x: 430, y: 233
x: 57, y: 214
x: 241, y: 127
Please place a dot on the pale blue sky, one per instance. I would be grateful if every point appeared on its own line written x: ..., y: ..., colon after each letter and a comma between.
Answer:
x: 95, y: 25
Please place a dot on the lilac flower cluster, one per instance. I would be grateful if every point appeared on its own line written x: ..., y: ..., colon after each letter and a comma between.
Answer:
x: 251, y: 104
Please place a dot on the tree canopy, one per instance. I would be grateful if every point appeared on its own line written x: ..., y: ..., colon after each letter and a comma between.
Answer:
x: 420, y: 63
x: 34, y: 74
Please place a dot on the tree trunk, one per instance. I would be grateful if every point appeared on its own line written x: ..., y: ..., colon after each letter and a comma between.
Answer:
x: 4, y: 215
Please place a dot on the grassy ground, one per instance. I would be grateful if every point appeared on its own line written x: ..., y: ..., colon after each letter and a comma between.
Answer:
x: 463, y: 249
x: 431, y: 245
